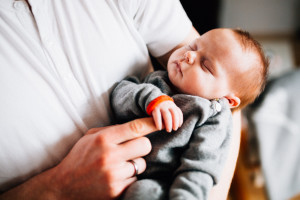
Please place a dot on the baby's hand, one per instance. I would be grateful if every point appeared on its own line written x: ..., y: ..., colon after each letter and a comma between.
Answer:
x: 169, y: 114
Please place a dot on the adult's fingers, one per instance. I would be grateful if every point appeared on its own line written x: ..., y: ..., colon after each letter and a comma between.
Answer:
x: 120, y: 187
x: 140, y: 166
x: 135, y: 148
x: 123, y: 132
x: 128, y: 169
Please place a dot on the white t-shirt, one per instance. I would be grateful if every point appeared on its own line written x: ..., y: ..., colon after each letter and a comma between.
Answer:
x: 58, y: 64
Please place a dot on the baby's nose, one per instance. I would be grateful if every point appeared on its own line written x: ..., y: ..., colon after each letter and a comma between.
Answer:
x: 190, y: 57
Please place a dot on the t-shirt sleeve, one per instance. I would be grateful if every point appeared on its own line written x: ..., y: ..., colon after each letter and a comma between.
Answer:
x: 162, y: 24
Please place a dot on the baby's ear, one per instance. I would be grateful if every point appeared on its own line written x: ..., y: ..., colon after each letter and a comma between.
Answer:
x: 233, y: 100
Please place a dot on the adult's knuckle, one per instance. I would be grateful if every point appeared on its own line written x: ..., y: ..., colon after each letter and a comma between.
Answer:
x: 110, y: 176
x: 111, y: 190
x: 102, y: 161
x: 100, y: 140
x: 105, y: 159
x: 136, y: 126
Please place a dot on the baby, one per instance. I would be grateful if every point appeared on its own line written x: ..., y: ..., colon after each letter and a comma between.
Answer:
x: 221, y: 71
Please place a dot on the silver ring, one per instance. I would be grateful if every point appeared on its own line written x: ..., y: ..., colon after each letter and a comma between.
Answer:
x: 136, y: 169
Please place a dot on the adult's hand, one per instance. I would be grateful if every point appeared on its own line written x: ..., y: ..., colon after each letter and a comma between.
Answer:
x: 97, y: 167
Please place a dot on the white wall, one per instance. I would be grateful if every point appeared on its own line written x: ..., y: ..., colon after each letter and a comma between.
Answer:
x: 261, y: 17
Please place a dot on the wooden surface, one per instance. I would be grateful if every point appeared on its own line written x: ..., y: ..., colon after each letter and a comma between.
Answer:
x: 247, y: 182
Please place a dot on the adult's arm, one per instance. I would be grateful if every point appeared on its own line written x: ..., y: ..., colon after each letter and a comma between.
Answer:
x: 97, y: 167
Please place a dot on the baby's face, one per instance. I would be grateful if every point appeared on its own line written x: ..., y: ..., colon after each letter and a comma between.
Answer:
x: 207, y: 66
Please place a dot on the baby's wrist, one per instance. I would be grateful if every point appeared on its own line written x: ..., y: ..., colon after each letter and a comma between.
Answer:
x: 155, y: 102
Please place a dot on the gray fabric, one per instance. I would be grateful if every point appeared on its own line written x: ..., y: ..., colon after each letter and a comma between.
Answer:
x: 275, y: 120
x: 183, y: 164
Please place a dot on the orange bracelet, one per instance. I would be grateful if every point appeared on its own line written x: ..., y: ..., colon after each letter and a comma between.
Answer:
x: 151, y: 106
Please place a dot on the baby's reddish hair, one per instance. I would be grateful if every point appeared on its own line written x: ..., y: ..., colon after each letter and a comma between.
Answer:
x: 252, y: 82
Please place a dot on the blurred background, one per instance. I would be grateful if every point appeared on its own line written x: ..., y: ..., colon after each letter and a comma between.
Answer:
x: 268, y: 166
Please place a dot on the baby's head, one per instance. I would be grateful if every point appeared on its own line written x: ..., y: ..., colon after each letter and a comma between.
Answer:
x: 221, y: 63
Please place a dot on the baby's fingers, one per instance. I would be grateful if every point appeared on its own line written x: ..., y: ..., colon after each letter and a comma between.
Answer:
x: 167, y: 118
x: 157, y: 118
x: 180, y: 114
x: 177, y: 117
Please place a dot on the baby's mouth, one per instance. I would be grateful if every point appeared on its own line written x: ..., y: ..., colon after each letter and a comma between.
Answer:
x: 178, y: 67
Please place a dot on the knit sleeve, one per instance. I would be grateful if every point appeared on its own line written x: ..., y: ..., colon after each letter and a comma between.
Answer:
x: 130, y: 98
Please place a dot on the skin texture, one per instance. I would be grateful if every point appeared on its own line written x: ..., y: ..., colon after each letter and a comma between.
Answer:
x: 208, y: 65
x: 96, y: 167
x: 205, y: 67
x: 167, y: 115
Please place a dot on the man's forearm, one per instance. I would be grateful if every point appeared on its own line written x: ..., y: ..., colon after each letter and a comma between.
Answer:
x: 41, y: 186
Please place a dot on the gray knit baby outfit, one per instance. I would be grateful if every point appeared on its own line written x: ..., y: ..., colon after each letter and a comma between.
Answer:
x: 183, y: 164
